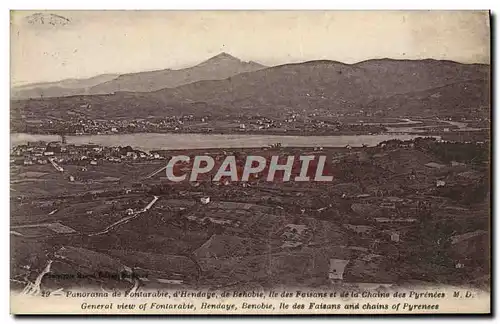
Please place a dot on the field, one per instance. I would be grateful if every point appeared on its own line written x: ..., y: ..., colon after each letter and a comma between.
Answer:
x: 389, y: 212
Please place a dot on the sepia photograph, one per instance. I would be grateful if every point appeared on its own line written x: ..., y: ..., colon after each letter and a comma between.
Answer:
x: 250, y: 162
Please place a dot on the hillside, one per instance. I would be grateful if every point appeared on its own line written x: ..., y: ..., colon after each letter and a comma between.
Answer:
x: 414, y: 75
x: 67, y: 87
x: 311, y: 86
x: 218, y: 67
x: 327, y: 85
x: 466, y: 99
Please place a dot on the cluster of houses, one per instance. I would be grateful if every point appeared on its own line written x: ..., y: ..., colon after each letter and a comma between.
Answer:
x: 43, y: 152
x: 79, y: 126
x: 309, y: 123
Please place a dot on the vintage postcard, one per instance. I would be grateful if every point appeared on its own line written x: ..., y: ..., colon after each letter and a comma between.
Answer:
x: 250, y: 162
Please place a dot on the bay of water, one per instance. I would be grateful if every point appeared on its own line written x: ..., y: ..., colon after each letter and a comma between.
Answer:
x: 161, y: 141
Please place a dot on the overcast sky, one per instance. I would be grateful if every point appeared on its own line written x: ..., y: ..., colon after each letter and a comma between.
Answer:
x: 98, y: 42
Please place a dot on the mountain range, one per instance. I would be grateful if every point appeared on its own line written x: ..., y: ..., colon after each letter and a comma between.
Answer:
x: 224, y: 85
x: 218, y: 67
x: 67, y: 87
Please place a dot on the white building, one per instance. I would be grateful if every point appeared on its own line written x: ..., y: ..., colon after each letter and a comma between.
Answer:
x: 337, y: 268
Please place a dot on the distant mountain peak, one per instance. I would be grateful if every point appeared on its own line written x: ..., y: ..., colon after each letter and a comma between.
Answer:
x: 223, y: 57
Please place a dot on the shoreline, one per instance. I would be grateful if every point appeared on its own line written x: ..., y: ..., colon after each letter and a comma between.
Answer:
x: 165, y: 141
